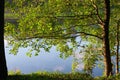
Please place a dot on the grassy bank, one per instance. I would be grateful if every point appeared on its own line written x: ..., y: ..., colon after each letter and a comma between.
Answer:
x: 50, y: 76
x: 58, y: 76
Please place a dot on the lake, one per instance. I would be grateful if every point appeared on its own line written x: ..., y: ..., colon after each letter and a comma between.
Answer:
x: 43, y: 62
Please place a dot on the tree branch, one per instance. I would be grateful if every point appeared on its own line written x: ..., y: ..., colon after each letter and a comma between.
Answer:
x: 76, y: 17
x: 45, y: 37
x: 76, y: 34
x: 72, y: 27
x: 97, y: 13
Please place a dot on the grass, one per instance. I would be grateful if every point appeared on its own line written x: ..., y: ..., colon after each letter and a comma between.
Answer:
x: 57, y: 76
x: 114, y: 77
x: 50, y: 76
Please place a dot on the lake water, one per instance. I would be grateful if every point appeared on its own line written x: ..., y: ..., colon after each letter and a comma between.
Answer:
x: 44, y: 62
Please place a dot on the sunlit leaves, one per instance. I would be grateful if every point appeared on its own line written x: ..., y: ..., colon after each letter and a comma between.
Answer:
x: 74, y: 65
x: 15, y: 48
x: 65, y: 50
x: 91, y: 56
x: 29, y: 53
x: 44, y: 23
x: 56, y: 18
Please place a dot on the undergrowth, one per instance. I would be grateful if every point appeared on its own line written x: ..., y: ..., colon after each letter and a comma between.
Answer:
x: 17, y: 75
x: 50, y: 76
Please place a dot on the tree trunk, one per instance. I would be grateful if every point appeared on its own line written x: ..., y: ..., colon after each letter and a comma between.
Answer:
x: 107, y: 57
x: 117, y: 51
x: 3, y: 66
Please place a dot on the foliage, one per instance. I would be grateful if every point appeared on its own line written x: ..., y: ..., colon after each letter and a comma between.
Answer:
x: 53, y: 23
x: 47, y: 23
x: 114, y: 77
x: 16, y: 72
x: 92, y: 56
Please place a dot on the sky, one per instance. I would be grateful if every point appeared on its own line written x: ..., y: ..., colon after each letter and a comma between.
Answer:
x: 44, y: 62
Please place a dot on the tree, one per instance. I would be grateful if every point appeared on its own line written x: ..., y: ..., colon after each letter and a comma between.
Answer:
x: 106, y: 47
x: 59, y: 23
x: 3, y: 66
x: 117, y: 49
x: 114, y: 32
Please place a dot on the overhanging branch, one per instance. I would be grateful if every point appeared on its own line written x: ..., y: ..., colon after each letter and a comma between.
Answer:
x: 76, y: 17
x: 88, y: 34
x: 76, y: 34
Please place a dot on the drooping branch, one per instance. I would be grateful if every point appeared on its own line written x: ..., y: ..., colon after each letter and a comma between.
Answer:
x: 72, y: 27
x: 59, y: 35
x: 64, y: 36
x: 45, y: 37
x: 76, y: 34
x: 89, y: 34
x: 68, y: 17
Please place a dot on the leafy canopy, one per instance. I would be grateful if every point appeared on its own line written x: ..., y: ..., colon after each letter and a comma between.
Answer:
x: 61, y: 23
